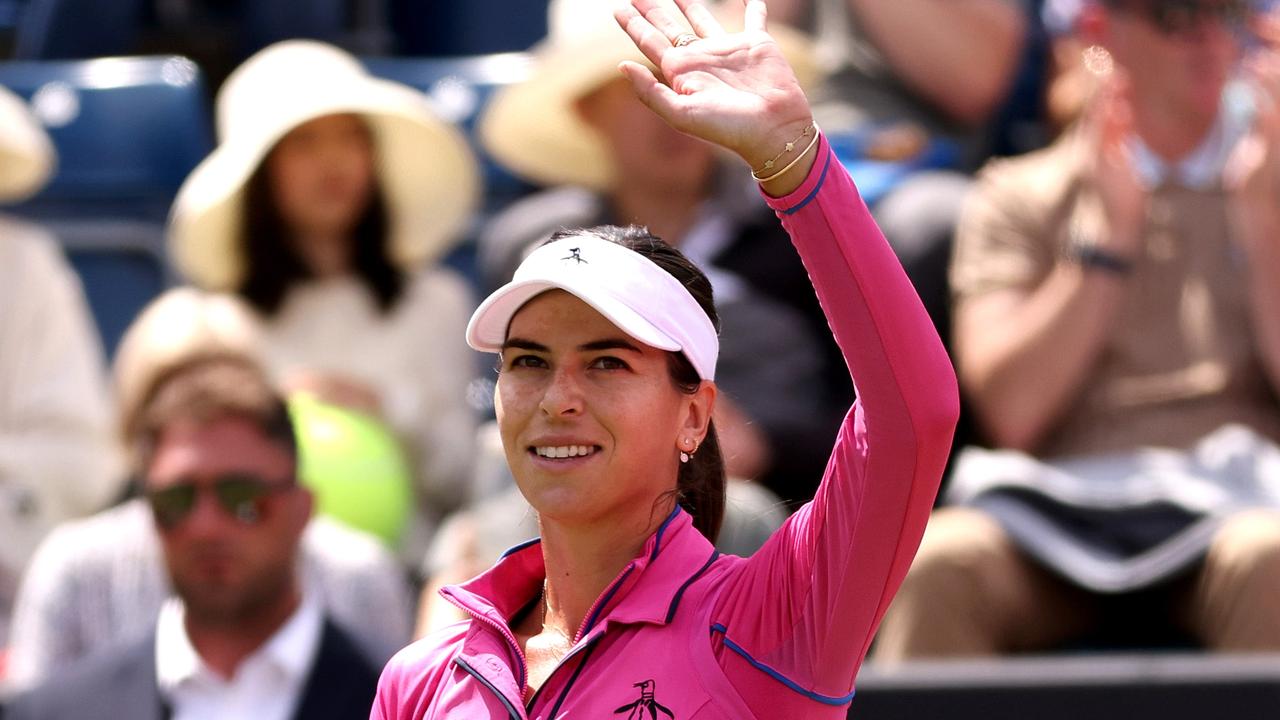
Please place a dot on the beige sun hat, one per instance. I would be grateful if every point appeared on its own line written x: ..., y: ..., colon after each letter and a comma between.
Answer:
x: 425, y: 167
x: 533, y: 128
x: 180, y: 325
x: 27, y: 158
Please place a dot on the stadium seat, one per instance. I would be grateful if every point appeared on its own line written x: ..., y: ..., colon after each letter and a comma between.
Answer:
x: 62, y: 29
x: 10, y: 10
x: 121, y: 265
x: 467, y: 28
x: 127, y: 131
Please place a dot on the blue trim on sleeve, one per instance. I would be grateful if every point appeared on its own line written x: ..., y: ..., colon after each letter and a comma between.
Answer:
x: 814, y: 192
x: 824, y: 699
x: 671, y: 612
x: 518, y: 548
x: 657, y: 543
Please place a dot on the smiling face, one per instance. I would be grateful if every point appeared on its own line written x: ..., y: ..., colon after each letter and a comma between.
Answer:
x: 590, y: 418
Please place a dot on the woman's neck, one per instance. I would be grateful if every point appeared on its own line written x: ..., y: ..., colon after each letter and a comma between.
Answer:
x: 326, y: 255
x: 581, y: 562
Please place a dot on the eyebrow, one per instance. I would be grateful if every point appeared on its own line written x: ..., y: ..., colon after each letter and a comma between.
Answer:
x: 594, y: 345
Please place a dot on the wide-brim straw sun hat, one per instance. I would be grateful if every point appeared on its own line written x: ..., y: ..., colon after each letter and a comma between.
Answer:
x: 533, y: 127
x: 183, y: 324
x: 27, y: 157
x: 425, y: 168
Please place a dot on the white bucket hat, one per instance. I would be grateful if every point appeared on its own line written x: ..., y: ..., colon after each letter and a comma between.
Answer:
x: 533, y: 128
x: 427, y: 172
x: 631, y: 291
x: 27, y: 157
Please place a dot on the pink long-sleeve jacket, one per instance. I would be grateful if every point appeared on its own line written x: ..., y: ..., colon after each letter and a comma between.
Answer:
x: 686, y: 633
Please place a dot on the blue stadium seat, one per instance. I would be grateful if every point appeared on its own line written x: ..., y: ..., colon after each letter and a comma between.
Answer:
x: 10, y: 11
x: 121, y: 265
x: 127, y: 131
x: 467, y: 27
x: 49, y: 29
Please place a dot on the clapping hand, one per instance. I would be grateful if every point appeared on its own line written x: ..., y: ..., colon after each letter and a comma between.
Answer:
x: 1108, y: 122
x: 733, y: 89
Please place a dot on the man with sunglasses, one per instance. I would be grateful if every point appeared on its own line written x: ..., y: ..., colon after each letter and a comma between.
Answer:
x: 240, y: 638
x: 1117, y: 330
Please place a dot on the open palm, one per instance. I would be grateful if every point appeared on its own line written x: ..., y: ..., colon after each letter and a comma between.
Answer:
x: 733, y: 89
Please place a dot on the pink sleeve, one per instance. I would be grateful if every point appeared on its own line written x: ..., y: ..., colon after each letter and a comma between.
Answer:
x: 805, y: 607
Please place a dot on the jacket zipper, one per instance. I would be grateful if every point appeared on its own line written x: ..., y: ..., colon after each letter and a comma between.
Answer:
x: 587, y: 623
x: 504, y: 632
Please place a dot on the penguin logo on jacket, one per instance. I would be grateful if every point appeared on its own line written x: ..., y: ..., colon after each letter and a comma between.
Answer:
x: 645, y: 708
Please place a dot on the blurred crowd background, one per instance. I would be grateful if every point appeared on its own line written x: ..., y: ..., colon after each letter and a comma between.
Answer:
x: 203, y: 197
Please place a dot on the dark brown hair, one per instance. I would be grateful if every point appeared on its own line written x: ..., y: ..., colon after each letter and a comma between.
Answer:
x: 700, y: 485
x: 272, y: 266
x: 204, y: 389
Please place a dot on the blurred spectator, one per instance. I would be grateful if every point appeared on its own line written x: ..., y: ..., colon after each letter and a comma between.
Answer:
x: 57, y: 460
x: 325, y: 209
x: 241, y: 637
x: 99, y: 582
x: 913, y: 89
x: 1118, y: 331
x: 576, y: 124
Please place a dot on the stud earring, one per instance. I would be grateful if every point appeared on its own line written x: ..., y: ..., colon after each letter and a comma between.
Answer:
x: 685, y: 455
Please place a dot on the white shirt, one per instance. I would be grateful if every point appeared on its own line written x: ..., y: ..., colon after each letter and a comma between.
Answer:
x: 266, y: 686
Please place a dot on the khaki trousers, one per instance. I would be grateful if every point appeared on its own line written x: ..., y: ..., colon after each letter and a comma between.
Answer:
x: 971, y: 592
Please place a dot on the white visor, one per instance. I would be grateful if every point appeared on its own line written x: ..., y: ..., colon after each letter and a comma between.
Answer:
x: 643, y: 300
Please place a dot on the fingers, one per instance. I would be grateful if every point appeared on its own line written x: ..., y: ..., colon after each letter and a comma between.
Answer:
x: 700, y: 18
x: 647, y: 38
x: 662, y: 18
x: 756, y: 17
x: 657, y: 96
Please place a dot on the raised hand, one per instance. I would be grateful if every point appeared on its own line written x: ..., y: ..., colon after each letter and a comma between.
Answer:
x: 733, y: 89
x: 1108, y: 123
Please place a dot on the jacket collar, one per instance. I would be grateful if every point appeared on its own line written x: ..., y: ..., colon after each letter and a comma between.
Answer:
x: 646, y: 591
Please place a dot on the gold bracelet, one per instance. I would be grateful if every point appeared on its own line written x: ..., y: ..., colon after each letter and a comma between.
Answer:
x: 813, y: 127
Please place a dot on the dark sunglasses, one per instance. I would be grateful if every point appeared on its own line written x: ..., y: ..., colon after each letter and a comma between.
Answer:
x: 1183, y: 17
x: 242, y: 496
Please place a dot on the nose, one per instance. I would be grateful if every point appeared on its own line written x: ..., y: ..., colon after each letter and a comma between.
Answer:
x: 562, y: 395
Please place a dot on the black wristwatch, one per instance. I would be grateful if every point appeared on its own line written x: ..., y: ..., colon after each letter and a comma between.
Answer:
x: 1092, y: 256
